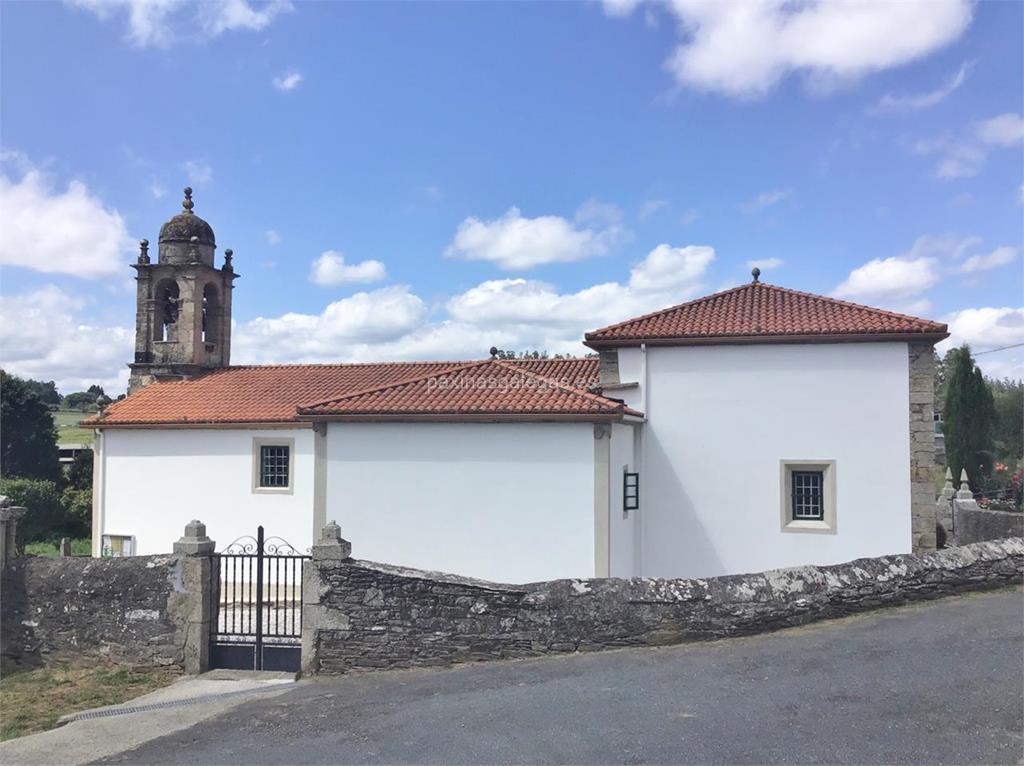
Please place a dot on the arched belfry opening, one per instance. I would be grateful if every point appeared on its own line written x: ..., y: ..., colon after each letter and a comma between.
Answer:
x: 167, y: 305
x: 211, y: 314
x: 183, y: 319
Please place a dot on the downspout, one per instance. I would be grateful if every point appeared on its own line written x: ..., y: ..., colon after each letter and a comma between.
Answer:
x: 98, y: 483
x: 644, y: 404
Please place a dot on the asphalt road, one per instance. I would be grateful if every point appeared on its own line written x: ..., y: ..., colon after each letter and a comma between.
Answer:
x: 934, y: 683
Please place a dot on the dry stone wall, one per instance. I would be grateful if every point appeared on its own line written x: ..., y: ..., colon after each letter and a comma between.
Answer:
x: 130, y: 611
x: 362, y: 615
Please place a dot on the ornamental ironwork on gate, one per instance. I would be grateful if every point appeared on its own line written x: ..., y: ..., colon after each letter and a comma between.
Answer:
x: 256, y: 603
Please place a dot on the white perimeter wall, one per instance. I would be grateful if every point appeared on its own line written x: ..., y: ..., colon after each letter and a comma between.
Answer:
x: 721, y: 418
x: 508, y: 502
x: 156, y: 481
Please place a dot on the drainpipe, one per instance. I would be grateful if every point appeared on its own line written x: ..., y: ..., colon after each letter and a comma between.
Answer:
x: 98, y: 482
x: 644, y: 405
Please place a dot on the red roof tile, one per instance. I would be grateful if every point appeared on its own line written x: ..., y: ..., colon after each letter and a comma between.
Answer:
x: 491, y: 389
x: 756, y: 312
x: 270, y: 394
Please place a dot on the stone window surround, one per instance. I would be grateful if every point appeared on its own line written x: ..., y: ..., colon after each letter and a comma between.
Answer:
x: 787, y: 522
x: 272, y: 441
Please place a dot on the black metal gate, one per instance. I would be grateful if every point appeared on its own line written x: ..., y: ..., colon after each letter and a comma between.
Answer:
x: 256, y: 620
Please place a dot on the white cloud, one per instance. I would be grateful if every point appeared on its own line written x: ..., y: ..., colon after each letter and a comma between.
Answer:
x: 42, y: 336
x: 288, y: 81
x: 744, y: 50
x: 58, y: 232
x: 515, y: 242
x: 160, y: 23
x: 272, y: 237
x: 765, y: 264
x: 670, y: 268
x: 330, y: 269
x: 229, y: 15
x: 895, y: 283
x: 768, y: 198
x: 335, y: 334
x: 157, y: 190
x: 198, y: 172
x: 597, y: 213
x: 650, y: 207
x: 984, y: 329
x: 689, y: 216
x: 998, y: 257
x: 964, y: 156
x: 1004, y: 130
x: 891, y: 103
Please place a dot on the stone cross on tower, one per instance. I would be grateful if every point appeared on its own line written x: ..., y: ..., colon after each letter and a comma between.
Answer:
x: 183, y: 315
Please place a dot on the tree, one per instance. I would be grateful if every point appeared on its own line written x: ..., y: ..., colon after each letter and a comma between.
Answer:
x: 28, y: 439
x: 46, y: 519
x: 81, y: 400
x: 96, y: 391
x: 968, y: 415
x: 79, y: 475
x: 1008, y: 430
x: 46, y: 391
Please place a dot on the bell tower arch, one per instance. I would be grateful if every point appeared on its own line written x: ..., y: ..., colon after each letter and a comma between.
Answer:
x: 183, y: 308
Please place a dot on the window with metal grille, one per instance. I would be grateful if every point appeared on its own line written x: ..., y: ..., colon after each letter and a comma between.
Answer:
x: 808, y: 495
x: 630, y: 491
x: 274, y: 466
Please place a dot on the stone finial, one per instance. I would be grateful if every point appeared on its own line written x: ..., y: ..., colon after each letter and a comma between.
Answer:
x: 331, y: 546
x: 188, y: 204
x: 144, y: 251
x: 493, y: 351
x: 194, y: 542
x: 756, y: 274
x: 948, y: 490
x: 228, y: 255
x: 964, y: 493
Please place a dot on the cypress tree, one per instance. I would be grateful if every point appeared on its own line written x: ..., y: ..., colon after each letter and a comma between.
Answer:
x: 968, y: 415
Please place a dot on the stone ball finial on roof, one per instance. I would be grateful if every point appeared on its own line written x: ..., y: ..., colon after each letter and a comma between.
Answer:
x: 756, y: 274
x: 186, y: 225
x: 493, y: 351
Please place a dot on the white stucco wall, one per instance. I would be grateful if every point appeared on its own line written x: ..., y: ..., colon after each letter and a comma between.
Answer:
x: 719, y: 421
x: 622, y: 525
x: 156, y: 481
x: 509, y: 502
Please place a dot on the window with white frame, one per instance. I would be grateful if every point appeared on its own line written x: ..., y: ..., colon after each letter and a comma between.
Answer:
x: 808, y: 501
x: 117, y: 546
x: 272, y: 465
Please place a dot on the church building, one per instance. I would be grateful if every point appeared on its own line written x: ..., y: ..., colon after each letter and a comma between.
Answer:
x: 755, y: 428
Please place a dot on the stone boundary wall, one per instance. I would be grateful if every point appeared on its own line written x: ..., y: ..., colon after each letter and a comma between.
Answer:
x: 972, y: 525
x: 362, y: 615
x: 131, y: 611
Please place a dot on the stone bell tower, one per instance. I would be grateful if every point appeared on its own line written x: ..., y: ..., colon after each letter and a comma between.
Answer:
x: 183, y: 315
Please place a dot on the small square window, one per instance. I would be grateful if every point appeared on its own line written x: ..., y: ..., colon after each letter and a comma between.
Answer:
x: 118, y: 546
x: 630, y: 491
x: 808, y: 490
x: 272, y: 465
x: 808, y: 495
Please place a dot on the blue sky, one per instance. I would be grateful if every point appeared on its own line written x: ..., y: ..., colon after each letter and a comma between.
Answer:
x: 427, y: 180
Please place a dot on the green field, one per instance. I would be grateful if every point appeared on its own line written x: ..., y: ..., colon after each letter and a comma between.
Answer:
x: 67, y: 427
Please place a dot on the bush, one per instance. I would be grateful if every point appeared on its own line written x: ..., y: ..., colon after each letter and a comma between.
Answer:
x: 48, y: 517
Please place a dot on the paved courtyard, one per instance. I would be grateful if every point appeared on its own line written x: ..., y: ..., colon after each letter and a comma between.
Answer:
x: 934, y: 683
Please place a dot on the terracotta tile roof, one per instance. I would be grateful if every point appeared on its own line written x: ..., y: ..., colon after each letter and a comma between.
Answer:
x: 271, y: 393
x: 491, y: 389
x: 759, y: 312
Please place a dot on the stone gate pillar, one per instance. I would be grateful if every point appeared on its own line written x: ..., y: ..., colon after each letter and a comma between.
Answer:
x: 197, y: 550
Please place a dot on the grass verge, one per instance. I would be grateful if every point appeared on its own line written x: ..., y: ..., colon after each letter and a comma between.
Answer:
x: 80, y: 546
x: 33, y: 700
